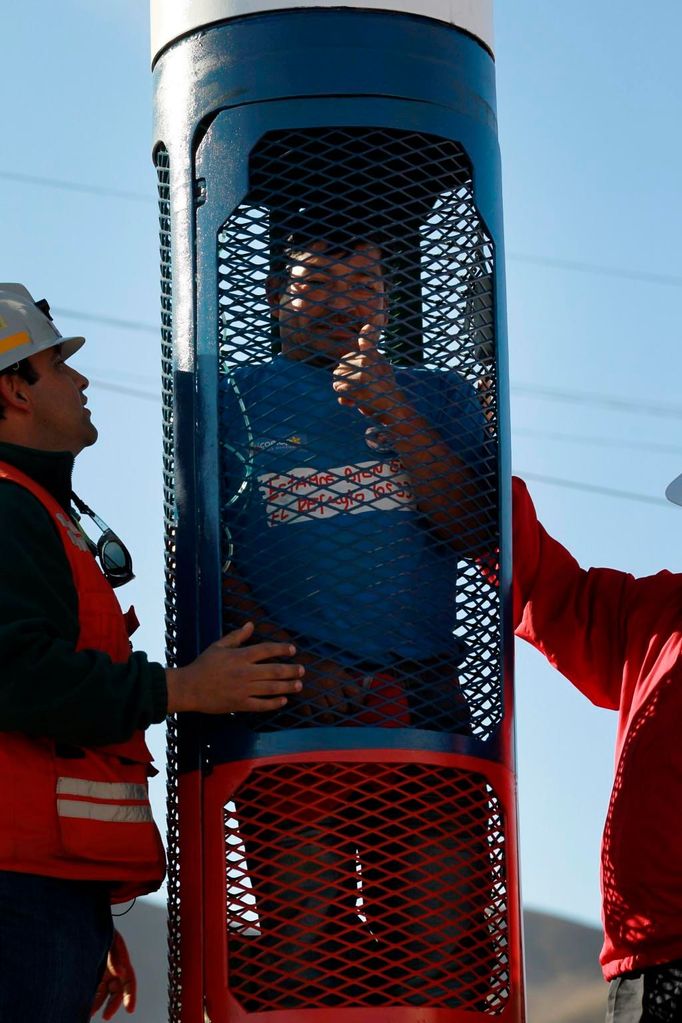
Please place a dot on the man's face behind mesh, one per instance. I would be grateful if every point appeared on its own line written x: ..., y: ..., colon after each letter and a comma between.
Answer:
x: 327, y: 298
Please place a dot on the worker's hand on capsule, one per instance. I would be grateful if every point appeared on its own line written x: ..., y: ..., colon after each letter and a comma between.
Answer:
x: 118, y: 985
x: 364, y: 379
x: 228, y: 677
x: 332, y: 693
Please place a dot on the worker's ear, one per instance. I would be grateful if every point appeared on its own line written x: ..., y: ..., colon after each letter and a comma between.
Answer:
x: 14, y: 392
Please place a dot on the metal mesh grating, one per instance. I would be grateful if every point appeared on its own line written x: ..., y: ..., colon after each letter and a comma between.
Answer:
x: 662, y: 993
x: 365, y: 885
x: 391, y: 614
x: 173, y: 824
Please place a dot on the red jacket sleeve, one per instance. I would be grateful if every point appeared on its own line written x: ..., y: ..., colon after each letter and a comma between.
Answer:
x: 577, y: 618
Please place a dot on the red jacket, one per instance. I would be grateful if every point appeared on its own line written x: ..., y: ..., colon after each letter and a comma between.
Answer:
x: 619, y: 640
x: 80, y: 813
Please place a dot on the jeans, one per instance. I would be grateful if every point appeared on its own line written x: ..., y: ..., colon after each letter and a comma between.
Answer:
x: 651, y: 995
x: 54, y: 939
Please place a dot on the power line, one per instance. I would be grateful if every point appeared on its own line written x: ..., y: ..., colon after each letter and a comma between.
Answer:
x: 656, y: 409
x: 121, y: 375
x: 75, y: 186
x: 670, y: 280
x: 131, y: 392
x: 611, y: 442
x: 624, y: 495
x: 606, y: 401
x: 110, y: 321
x: 574, y: 266
x: 574, y: 438
x: 664, y: 411
x: 607, y: 442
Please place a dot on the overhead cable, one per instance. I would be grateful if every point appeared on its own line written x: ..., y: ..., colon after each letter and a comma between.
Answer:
x: 75, y: 186
x: 556, y: 263
x: 606, y: 442
x: 670, y: 280
x: 663, y: 410
x: 593, y: 488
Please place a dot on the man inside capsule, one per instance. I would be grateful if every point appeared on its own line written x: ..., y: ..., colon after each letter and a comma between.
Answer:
x: 352, y: 492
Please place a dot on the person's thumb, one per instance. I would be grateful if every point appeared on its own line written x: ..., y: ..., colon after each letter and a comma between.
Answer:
x: 367, y: 339
x: 237, y: 636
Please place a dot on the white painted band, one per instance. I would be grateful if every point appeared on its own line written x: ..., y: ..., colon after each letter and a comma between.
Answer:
x: 171, y: 19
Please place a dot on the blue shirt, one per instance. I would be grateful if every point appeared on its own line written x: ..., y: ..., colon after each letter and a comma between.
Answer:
x: 322, y: 517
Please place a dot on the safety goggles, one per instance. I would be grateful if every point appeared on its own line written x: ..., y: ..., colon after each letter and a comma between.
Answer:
x: 112, y: 554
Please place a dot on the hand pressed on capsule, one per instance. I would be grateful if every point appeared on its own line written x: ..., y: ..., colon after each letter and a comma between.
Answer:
x: 331, y: 692
x: 227, y: 677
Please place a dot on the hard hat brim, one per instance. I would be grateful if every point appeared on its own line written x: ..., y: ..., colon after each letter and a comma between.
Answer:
x: 70, y: 345
x: 674, y: 490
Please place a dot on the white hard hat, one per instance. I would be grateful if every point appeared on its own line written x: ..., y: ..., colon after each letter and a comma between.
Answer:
x: 674, y: 490
x: 26, y: 327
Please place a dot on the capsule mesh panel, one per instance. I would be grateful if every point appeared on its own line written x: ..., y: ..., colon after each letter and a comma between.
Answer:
x: 662, y: 993
x: 365, y: 885
x: 356, y: 530
x: 173, y: 826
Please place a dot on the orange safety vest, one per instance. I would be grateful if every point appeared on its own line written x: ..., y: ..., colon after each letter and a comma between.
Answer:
x: 84, y: 817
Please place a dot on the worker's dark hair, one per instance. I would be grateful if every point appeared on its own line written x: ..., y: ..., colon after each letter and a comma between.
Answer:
x: 341, y: 231
x: 22, y: 369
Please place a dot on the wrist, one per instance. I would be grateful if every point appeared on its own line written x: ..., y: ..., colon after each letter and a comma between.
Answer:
x: 397, y: 413
x: 179, y: 700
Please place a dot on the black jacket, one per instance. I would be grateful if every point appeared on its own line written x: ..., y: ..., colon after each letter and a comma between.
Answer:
x: 46, y: 687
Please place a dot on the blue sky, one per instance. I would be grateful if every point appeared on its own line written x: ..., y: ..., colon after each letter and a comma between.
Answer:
x: 589, y: 107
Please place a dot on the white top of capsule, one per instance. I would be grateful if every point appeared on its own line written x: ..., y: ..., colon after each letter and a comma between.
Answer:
x: 171, y: 19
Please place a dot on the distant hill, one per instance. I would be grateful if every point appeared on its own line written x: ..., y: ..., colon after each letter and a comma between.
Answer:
x: 564, y: 981
x: 562, y: 969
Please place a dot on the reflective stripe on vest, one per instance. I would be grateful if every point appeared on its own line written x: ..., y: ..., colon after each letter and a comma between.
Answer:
x: 122, y: 802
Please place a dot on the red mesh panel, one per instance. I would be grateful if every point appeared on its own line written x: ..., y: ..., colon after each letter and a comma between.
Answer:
x: 365, y: 884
